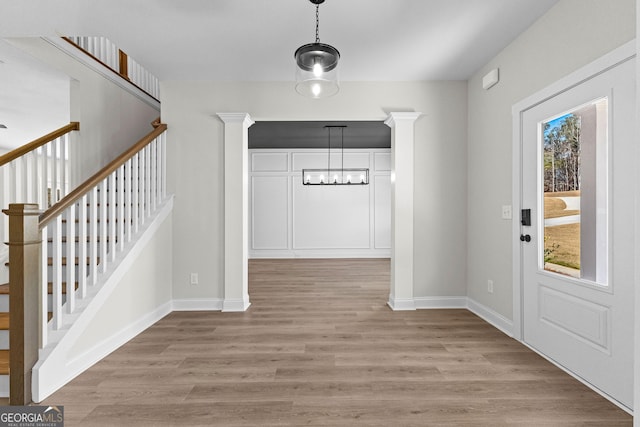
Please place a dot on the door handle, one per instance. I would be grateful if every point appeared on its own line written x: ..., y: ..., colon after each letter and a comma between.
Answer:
x: 525, y: 238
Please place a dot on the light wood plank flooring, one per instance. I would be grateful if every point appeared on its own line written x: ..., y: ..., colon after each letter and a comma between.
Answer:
x: 319, y: 347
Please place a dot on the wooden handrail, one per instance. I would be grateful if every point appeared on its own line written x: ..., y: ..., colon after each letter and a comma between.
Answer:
x: 99, y: 176
x: 21, y: 151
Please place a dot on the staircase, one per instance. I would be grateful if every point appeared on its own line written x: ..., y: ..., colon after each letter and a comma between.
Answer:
x: 92, y: 225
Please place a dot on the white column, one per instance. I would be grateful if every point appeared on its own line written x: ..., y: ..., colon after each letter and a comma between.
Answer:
x: 402, y: 143
x: 236, y: 208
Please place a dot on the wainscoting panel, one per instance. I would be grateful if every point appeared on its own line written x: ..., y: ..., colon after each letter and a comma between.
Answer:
x: 289, y: 219
x: 382, y: 211
x: 269, y: 213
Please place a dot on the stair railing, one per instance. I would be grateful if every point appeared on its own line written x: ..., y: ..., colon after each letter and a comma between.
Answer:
x: 37, y: 172
x: 108, y: 54
x: 102, y: 215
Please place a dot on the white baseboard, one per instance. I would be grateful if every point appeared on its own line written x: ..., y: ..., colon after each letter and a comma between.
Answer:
x: 401, y: 304
x: 440, y: 302
x: 235, y: 304
x: 318, y: 253
x: 490, y: 316
x: 197, y: 304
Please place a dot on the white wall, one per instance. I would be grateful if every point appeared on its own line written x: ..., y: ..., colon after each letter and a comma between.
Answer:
x: 196, y: 161
x: 572, y: 34
x: 291, y: 220
x: 111, y: 119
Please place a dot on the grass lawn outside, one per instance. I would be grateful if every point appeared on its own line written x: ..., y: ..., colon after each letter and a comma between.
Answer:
x: 562, y: 242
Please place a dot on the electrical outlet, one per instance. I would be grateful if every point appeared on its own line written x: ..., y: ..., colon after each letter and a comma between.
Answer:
x: 506, y: 212
x: 194, y: 278
x: 490, y: 286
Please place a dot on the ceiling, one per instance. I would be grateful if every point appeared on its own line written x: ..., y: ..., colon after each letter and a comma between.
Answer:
x: 254, y: 40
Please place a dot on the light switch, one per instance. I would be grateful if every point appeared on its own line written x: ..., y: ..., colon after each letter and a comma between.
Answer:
x: 506, y: 212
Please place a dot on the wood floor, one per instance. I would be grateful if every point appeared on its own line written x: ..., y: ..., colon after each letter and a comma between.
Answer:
x: 319, y: 347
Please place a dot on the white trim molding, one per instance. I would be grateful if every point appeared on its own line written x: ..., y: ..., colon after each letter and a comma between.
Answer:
x: 440, y: 302
x: 197, y: 304
x: 235, y: 304
x: 492, y: 317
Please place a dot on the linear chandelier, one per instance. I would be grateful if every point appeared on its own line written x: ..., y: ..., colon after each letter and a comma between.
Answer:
x: 335, y: 176
x: 317, y: 65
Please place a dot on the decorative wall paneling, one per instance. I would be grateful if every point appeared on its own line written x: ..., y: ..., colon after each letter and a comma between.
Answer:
x: 289, y: 220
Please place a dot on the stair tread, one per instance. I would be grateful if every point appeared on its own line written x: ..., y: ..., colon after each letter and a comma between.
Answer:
x: 4, y: 362
x: 4, y: 321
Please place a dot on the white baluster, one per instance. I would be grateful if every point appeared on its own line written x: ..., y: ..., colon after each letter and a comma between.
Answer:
x: 147, y: 180
x: 135, y: 192
x: 164, y: 164
x: 82, y: 246
x: 55, y: 177
x: 93, y: 235
x: 13, y: 182
x: 71, y: 255
x: 120, y: 179
x: 143, y: 186
x: 56, y: 266
x: 111, y: 217
x: 45, y: 177
x: 127, y: 194
x: 33, y: 177
x: 44, y: 294
x: 102, y: 221
x: 64, y: 143
x: 22, y: 180
x: 152, y: 176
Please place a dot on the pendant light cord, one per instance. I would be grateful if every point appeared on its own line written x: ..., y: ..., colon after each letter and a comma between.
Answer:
x: 317, y: 23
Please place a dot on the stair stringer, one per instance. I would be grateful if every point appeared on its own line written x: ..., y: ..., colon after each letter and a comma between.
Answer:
x: 57, y: 365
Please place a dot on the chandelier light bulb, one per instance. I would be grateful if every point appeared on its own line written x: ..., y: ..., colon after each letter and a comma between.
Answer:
x: 317, y: 70
x: 316, y: 89
x: 349, y: 179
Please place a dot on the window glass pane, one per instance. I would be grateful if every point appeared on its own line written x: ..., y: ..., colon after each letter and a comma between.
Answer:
x: 574, y: 185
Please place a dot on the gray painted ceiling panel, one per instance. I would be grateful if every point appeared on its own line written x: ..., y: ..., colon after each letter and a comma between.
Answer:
x: 312, y: 134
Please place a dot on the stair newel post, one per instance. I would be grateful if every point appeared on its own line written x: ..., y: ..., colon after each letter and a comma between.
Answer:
x: 24, y: 281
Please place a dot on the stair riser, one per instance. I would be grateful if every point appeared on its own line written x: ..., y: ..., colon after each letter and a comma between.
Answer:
x: 64, y: 247
x: 4, y: 305
x: 4, y: 340
x: 4, y: 385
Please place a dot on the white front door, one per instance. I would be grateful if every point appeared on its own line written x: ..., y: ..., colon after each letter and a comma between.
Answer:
x: 577, y: 255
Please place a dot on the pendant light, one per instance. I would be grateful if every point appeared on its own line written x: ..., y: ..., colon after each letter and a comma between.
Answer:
x: 317, y: 65
x: 335, y: 176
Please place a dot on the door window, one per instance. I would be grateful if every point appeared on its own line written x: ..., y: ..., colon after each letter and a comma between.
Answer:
x: 573, y: 193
